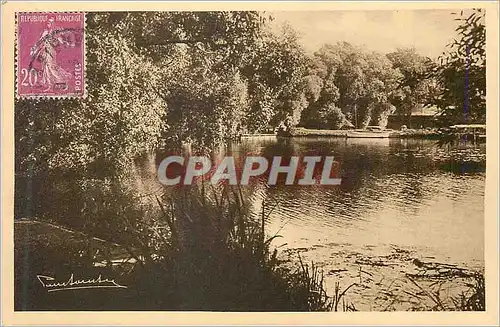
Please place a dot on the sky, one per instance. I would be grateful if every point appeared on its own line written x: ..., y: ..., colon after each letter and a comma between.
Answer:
x: 429, y: 31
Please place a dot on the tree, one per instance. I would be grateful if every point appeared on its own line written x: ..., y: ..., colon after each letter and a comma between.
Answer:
x: 226, y: 37
x: 135, y: 74
x: 276, y: 81
x: 206, y: 107
x: 358, y: 82
x: 322, y: 111
x: 415, y: 87
x: 461, y: 72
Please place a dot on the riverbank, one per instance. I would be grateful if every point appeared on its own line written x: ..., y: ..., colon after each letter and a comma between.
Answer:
x: 392, y: 278
x: 408, y: 133
x: 429, y: 134
x: 399, y: 280
x: 214, y: 257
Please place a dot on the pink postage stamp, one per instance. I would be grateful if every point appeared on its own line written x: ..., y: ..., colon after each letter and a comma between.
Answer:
x: 50, y: 54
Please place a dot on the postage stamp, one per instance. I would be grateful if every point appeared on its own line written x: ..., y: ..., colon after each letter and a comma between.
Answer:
x: 50, y: 54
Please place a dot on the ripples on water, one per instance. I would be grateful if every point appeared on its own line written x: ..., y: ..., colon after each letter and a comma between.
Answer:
x: 408, y: 194
x: 398, y: 200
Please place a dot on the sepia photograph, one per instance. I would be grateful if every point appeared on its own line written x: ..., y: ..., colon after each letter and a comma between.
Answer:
x: 250, y: 160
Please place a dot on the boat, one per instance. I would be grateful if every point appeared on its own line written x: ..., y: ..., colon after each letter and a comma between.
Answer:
x: 257, y: 135
x: 364, y: 133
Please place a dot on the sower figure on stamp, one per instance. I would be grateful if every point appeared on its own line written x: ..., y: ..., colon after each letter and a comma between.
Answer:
x: 45, y: 51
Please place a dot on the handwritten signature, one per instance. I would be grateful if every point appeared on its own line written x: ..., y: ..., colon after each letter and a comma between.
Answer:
x: 75, y: 284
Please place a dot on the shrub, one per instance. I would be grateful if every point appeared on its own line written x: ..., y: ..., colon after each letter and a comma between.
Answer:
x: 220, y: 259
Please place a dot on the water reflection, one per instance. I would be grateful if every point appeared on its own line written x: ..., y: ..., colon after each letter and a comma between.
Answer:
x: 407, y: 193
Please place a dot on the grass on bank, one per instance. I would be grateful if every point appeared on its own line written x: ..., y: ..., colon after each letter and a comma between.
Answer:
x: 204, y: 250
x: 219, y: 258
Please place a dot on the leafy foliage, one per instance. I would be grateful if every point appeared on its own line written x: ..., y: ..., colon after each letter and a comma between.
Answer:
x: 276, y: 82
x: 415, y: 88
x: 462, y: 72
x: 361, y: 83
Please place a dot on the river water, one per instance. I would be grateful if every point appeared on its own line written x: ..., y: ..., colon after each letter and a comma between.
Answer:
x: 399, y: 200
x: 402, y: 205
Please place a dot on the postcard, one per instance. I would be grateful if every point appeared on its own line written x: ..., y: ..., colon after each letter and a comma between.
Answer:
x: 305, y: 163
